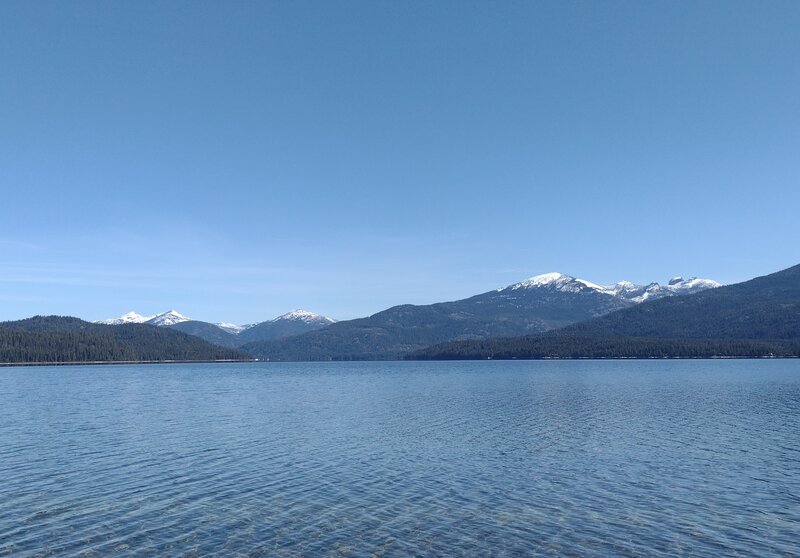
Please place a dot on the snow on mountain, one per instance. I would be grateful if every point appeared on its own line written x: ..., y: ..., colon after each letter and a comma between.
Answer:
x: 626, y: 289
x: 675, y: 286
x: 693, y: 284
x: 557, y: 281
x: 168, y: 318
x: 553, y: 278
x: 129, y: 318
x: 633, y: 292
x: 304, y: 316
x: 164, y: 319
x: 623, y: 289
x: 232, y: 328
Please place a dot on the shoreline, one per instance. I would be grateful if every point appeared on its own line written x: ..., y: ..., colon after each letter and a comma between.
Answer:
x: 245, y: 361
x: 106, y: 362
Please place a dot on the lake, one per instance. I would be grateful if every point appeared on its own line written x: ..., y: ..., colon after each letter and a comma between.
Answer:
x: 556, y: 458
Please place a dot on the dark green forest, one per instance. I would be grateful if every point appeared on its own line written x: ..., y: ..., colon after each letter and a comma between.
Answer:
x: 67, y: 339
x: 578, y: 346
x: 210, y: 332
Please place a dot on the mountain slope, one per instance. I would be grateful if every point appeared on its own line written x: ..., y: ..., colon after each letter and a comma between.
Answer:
x: 209, y: 332
x: 230, y: 335
x: 67, y: 339
x: 766, y: 307
x: 129, y: 318
x: 169, y: 318
x: 538, y: 304
x: 541, y: 303
x: 763, y: 312
x: 292, y: 323
x: 654, y: 291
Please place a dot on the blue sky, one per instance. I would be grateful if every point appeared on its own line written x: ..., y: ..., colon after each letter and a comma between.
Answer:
x: 236, y: 160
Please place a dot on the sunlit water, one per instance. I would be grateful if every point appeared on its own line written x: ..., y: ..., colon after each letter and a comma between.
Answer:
x: 633, y: 458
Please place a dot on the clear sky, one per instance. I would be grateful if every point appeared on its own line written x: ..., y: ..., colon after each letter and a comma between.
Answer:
x: 236, y: 160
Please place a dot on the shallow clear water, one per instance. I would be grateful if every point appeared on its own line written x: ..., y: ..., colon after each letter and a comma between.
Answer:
x: 623, y: 458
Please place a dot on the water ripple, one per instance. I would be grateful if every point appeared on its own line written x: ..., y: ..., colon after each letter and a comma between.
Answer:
x: 396, y: 459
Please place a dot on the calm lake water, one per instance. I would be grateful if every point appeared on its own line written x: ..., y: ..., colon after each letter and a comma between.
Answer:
x: 631, y: 458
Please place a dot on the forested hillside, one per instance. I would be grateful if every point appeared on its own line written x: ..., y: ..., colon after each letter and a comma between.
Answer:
x: 400, y: 330
x: 559, y: 345
x: 754, y: 318
x: 766, y: 307
x: 210, y: 332
x: 67, y: 339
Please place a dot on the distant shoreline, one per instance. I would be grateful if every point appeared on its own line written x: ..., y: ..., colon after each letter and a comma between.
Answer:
x: 104, y: 362
x: 502, y: 359
x: 228, y: 361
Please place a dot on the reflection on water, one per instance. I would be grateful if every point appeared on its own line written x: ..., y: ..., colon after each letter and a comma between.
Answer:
x: 634, y: 458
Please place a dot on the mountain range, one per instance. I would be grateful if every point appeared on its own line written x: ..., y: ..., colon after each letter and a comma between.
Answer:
x: 226, y: 334
x: 169, y: 318
x: 538, y: 304
x: 759, y: 317
x: 552, y: 315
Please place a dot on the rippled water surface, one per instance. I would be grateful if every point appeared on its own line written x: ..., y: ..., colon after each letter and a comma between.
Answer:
x: 636, y: 458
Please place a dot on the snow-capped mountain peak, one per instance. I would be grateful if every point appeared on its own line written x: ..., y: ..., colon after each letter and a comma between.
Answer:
x: 675, y: 286
x: 173, y: 317
x: 303, y: 316
x: 231, y: 328
x: 558, y: 281
x: 163, y: 319
x: 626, y: 290
x: 693, y: 283
x: 168, y: 318
x: 129, y: 318
x: 544, y: 279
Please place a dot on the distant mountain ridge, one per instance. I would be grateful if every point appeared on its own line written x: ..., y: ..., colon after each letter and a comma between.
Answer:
x: 129, y: 318
x: 295, y: 322
x: 230, y: 335
x: 654, y: 291
x: 168, y: 318
x: 755, y: 318
x: 538, y: 304
x: 622, y: 289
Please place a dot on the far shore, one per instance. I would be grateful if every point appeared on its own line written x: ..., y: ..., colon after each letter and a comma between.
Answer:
x: 251, y: 360
x: 101, y: 362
